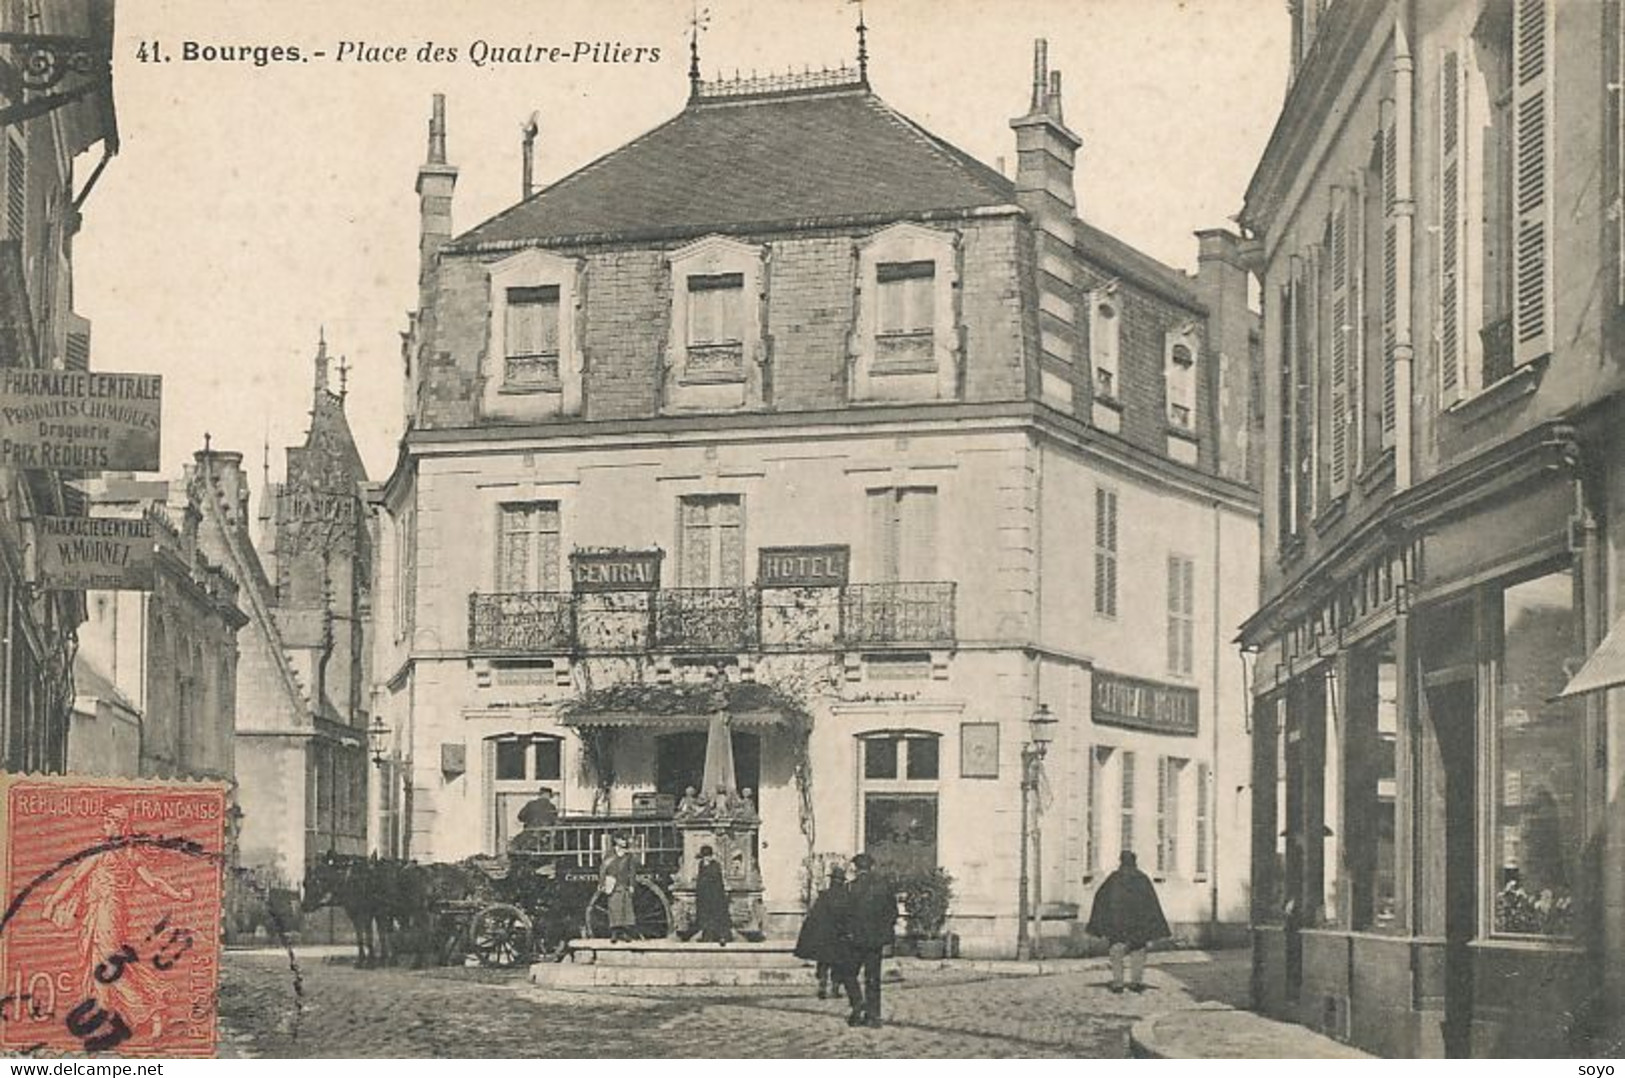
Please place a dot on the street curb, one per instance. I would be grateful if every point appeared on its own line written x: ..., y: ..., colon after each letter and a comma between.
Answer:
x: 1284, y: 1040
x: 1142, y: 1036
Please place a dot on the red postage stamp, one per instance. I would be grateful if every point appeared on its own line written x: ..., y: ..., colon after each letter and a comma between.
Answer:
x: 110, y: 936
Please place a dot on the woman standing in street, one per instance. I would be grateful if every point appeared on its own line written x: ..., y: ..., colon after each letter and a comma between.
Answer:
x: 616, y: 878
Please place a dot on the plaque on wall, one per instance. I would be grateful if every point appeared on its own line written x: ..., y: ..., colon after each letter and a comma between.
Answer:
x: 979, y: 750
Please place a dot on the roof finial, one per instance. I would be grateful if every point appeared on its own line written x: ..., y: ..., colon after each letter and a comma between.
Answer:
x: 699, y: 19
x: 531, y: 128
x: 863, y: 44
x: 437, y: 131
x: 206, y: 440
x: 321, y: 360
x: 344, y: 377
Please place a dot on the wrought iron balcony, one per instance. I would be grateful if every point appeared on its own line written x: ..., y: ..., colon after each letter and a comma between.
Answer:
x: 917, y: 613
x: 706, y: 619
x: 521, y: 622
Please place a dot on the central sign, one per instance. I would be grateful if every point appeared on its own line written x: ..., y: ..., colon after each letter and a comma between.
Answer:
x: 80, y: 420
x: 804, y: 566
x: 615, y: 570
x: 94, y: 553
x: 1145, y: 705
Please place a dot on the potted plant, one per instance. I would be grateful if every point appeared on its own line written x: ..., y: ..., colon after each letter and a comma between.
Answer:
x: 926, y: 897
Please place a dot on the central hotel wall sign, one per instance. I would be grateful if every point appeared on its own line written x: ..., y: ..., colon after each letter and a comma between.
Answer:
x: 615, y: 570
x: 804, y: 566
x: 1144, y: 705
x: 80, y: 420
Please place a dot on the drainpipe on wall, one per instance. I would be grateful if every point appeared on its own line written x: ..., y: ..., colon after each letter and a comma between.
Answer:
x: 1213, y: 770
x: 1404, y: 234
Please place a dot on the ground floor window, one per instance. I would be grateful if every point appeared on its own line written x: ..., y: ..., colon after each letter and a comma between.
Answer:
x: 1539, y: 779
x: 519, y: 765
x: 1371, y: 787
x: 899, y: 783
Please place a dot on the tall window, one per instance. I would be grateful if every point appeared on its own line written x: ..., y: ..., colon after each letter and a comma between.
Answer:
x: 1170, y: 772
x: 517, y: 766
x: 1091, y: 855
x: 1181, y: 614
x: 531, y: 335
x: 528, y: 547
x: 1104, y: 331
x: 900, y: 781
x: 1540, y: 777
x: 1204, y: 797
x: 1105, y: 552
x: 711, y: 541
x: 903, y: 533
x: 1371, y: 787
x: 1126, y: 805
x: 716, y: 320
x: 1179, y: 376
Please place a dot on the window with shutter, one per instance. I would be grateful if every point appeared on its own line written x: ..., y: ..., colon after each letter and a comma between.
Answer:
x: 1169, y: 773
x: 1339, y: 334
x: 1449, y: 230
x: 1286, y: 525
x: 1105, y: 552
x: 711, y: 541
x: 1486, y: 151
x: 1126, y: 808
x: 531, y: 334
x: 1531, y: 102
x: 1104, y: 328
x: 903, y: 534
x: 1203, y: 793
x: 715, y: 326
x: 1181, y: 615
x: 1303, y: 482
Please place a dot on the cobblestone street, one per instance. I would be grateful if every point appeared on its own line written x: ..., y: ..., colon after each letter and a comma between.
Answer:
x: 951, y: 1012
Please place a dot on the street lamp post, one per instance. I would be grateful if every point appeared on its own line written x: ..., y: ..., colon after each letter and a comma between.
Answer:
x: 1042, y: 732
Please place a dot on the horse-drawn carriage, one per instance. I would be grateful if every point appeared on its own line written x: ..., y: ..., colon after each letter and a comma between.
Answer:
x: 545, y: 891
x: 502, y: 910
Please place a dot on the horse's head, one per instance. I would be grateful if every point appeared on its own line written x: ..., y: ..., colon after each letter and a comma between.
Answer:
x: 325, y: 881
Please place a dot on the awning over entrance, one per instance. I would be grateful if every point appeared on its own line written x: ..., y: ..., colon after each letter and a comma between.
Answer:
x: 1604, y: 669
x: 740, y: 720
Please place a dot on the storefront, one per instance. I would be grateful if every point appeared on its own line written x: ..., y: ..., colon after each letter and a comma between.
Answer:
x: 1424, y: 804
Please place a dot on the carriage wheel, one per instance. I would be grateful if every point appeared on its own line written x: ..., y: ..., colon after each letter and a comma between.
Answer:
x: 500, y: 936
x: 651, y: 911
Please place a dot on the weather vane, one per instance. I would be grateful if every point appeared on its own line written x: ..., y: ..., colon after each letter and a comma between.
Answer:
x: 699, y: 20
x: 863, y: 43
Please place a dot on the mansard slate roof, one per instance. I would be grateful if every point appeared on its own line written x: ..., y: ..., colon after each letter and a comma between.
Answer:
x: 772, y: 159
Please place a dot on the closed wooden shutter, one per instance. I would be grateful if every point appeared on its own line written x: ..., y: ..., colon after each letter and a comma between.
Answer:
x: 1531, y: 181
x: 1283, y: 476
x: 1105, y: 552
x: 1450, y: 247
x: 1390, y: 272
x: 1355, y: 336
x: 883, y: 535
x: 1338, y: 333
x: 917, y: 534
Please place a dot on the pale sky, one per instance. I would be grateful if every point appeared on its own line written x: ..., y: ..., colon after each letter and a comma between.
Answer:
x: 251, y: 205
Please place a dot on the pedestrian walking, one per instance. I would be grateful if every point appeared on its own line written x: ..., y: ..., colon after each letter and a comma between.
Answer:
x: 711, y: 900
x: 868, y: 925
x: 819, y: 940
x: 616, y: 878
x: 1127, y: 915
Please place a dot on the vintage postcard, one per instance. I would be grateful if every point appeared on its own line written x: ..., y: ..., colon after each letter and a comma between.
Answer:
x: 818, y: 528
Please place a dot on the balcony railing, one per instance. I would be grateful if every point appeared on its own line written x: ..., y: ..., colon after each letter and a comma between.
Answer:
x: 521, y: 622
x: 706, y: 619
x: 918, y: 614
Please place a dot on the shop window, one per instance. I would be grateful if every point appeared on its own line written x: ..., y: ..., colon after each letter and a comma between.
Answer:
x: 899, y: 800
x: 517, y: 766
x: 1537, y: 807
x: 1371, y: 789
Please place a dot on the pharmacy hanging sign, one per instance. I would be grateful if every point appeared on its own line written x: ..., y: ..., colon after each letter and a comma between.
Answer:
x: 80, y: 420
x: 94, y: 553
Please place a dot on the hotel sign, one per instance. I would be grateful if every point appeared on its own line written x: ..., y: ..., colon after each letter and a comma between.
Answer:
x: 80, y: 420
x: 1144, y: 705
x: 804, y: 566
x: 615, y: 570
x: 94, y: 553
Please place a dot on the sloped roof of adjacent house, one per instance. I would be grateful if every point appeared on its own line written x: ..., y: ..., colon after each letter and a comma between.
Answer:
x: 752, y: 161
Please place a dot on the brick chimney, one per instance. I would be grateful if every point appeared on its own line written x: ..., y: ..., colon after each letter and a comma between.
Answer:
x: 1222, y: 277
x: 436, y: 180
x: 1046, y: 148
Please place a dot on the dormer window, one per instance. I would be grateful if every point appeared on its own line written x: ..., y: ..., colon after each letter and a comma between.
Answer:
x: 1179, y: 375
x: 906, y: 294
x: 905, y: 344
x: 716, y: 354
x: 532, y: 337
x: 1104, y: 331
x: 716, y: 310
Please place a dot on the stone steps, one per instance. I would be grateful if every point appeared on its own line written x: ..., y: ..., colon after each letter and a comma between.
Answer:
x: 674, y: 963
